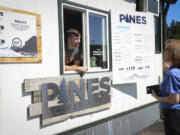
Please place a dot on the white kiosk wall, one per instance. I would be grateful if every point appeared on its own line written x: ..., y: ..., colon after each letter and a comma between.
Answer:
x: 14, y: 102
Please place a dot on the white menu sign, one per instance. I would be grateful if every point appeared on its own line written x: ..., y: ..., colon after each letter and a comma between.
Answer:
x: 132, y: 46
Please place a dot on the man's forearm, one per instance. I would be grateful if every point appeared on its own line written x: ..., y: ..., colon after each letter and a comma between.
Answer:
x: 76, y: 68
x: 70, y: 68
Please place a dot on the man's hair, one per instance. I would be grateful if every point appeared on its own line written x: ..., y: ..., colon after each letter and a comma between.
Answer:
x: 174, y: 50
x: 72, y: 32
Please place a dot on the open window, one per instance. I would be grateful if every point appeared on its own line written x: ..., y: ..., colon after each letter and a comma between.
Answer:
x: 73, y: 19
x: 94, y: 29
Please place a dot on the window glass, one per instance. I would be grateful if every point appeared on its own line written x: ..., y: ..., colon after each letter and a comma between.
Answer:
x: 157, y: 34
x: 98, y: 41
x: 141, y: 5
x: 153, y: 6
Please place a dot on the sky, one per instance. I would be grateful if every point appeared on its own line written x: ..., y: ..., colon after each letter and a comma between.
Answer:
x: 174, y: 12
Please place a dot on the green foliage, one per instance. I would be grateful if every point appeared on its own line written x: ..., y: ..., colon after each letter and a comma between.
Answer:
x: 173, y: 31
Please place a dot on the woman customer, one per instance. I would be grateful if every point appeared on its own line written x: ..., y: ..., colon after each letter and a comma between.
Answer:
x: 170, y: 89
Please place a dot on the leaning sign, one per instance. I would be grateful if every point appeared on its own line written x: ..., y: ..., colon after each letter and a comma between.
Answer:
x: 59, y: 98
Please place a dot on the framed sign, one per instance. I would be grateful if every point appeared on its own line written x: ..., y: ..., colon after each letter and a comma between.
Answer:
x: 20, y: 36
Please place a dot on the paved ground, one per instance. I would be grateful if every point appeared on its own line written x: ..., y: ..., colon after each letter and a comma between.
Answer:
x: 155, y: 129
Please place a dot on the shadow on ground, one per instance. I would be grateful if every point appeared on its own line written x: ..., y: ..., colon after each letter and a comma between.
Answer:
x: 155, y: 129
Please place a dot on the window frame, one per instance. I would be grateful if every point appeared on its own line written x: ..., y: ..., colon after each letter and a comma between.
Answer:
x: 71, y: 7
x: 158, y: 48
x: 145, y: 6
x: 85, y: 10
x: 88, y: 43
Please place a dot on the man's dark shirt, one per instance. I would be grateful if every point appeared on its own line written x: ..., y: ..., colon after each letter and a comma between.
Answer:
x: 72, y: 55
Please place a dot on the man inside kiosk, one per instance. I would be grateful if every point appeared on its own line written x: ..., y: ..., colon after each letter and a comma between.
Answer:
x: 73, y: 54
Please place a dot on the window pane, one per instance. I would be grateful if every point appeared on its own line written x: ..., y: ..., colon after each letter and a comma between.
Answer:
x: 153, y: 6
x: 157, y: 35
x: 98, y: 40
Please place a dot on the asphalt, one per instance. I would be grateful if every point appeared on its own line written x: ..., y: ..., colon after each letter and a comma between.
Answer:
x: 155, y: 129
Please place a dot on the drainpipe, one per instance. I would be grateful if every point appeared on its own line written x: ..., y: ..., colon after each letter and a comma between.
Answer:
x: 165, y: 11
x: 166, y: 5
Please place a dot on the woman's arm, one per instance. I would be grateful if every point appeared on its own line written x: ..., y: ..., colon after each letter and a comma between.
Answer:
x: 171, y: 99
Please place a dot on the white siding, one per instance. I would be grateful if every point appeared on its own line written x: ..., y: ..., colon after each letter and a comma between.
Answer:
x: 14, y: 102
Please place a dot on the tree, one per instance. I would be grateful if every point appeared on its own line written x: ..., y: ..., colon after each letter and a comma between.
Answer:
x: 173, y: 31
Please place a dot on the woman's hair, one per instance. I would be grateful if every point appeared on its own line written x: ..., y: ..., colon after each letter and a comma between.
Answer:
x: 174, y: 50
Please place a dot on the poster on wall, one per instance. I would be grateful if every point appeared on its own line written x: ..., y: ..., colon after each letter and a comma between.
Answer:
x: 132, y: 46
x: 20, y: 36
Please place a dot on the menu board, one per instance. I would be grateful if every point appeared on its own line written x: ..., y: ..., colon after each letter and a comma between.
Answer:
x: 132, y: 46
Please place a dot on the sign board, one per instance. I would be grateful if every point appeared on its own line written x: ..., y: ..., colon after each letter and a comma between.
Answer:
x: 20, y: 36
x: 132, y: 46
x: 57, y: 98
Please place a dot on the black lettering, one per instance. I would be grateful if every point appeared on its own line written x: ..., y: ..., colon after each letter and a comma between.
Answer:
x: 18, y: 21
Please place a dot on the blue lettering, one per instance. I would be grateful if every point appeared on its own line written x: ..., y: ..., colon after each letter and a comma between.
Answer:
x: 132, y: 19
x: 138, y: 19
x: 122, y: 17
x: 127, y: 18
x: 143, y: 20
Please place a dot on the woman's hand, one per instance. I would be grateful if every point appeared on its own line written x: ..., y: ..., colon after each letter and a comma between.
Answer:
x: 154, y: 95
x: 165, y: 66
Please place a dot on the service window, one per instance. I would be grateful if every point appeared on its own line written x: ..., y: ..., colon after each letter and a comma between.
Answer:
x: 93, y: 26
